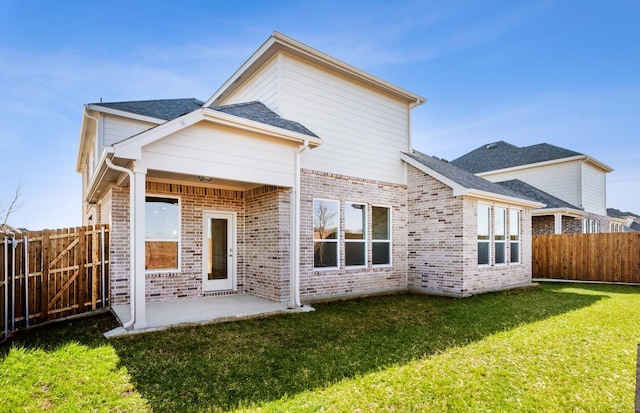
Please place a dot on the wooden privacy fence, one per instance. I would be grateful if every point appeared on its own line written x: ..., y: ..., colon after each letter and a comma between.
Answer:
x: 51, y: 274
x: 609, y: 257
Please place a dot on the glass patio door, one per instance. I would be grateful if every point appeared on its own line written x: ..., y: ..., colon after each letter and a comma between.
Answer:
x: 219, y: 252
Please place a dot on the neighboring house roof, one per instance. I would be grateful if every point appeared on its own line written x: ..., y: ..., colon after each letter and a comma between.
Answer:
x: 463, y: 182
x: 635, y: 226
x: 165, y: 109
x: 258, y: 112
x: 616, y: 213
x: 502, y: 155
x: 532, y: 192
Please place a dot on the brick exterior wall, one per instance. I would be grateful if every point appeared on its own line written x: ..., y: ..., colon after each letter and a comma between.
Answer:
x: 434, y: 241
x: 442, y: 243
x: 345, y: 281
x: 267, y: 240
x: 267, y: 208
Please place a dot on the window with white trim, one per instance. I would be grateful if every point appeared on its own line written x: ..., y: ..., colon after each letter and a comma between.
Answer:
x: 326, y: 230
x: 380, y: 235
x: 500, y: 237
x: 355, y: 236
x: 514, y: 236
x: 484, y: 234
x: 162, y: 233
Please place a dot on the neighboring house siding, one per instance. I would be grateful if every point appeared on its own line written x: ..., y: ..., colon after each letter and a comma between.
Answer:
x: 262, y: 86
x: 224, y: 153
x: 116, y: 129
x: 443, y: 243
x: 560, y: 180
x: 324, y: 284
x: 593, y: 189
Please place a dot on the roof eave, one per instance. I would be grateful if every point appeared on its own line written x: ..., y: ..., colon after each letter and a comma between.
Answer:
x: 492, y: 196
x: 132, y: 148
x: 278, y: 41
x: 125, y: 114
x: 571, y: 212
x: 461, y: 190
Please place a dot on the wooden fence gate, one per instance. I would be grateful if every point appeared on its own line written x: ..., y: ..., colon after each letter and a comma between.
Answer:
x: 51, y: 274
x: 608, y: 257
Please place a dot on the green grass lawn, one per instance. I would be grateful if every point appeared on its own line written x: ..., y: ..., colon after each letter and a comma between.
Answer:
x: 560, y: 347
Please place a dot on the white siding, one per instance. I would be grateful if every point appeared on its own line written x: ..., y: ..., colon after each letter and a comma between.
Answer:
x: 225, y: 153
x: 594, y: 190
x: 363, y: 131
x: 116, y: 129
x: 560, y: 180
x: 262, y: 86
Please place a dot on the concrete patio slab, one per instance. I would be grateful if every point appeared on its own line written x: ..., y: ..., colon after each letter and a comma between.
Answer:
x: 201, y: 310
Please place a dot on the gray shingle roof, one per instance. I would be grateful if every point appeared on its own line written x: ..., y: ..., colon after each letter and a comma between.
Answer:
x: 462, y: 177
x: 258, y: 112
x: 500, y: 155
x: 616, y: 213
x: 165, y: 109
x: 532, y: 192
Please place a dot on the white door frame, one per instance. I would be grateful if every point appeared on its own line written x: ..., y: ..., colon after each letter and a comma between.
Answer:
x: 228, y: 284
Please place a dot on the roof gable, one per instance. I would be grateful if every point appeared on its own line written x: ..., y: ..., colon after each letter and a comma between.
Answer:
x: 464, y: 182
x: 502, y: 155
x: 278, y: 42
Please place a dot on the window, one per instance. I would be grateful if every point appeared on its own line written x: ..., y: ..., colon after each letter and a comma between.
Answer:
x: 500, y: 244
x: 514, y: 236
x: 381, y: 235
x: 484, y: 234
x: 355, y: 223
x: 162, y: 233
x: 326, y: 218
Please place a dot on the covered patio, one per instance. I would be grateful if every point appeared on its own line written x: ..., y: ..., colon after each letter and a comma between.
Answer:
x: 201, y: 310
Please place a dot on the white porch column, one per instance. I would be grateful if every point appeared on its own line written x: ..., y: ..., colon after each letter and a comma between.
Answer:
x: 140, y: 175
x: 557, y: 223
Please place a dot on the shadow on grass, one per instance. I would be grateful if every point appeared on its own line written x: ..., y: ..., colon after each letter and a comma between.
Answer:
x: 224, y: 366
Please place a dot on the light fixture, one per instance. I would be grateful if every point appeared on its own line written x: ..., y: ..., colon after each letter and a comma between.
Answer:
x: 205, y: 178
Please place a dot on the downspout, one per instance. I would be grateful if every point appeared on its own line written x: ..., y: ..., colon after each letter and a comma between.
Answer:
x: 132, y: 255
x: 294, y: 290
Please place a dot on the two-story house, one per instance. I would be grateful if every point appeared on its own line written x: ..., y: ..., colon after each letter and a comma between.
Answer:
x: 295, y: 181
x: 572, y: 185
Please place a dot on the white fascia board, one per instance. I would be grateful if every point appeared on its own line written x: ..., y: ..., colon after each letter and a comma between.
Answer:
x: 278, y: 41
x: 570, y: 212
x: 491, y: 196
x: 98, y: 174
x: 599, y: 164
x: 81, y: 143
x: 131, y: 148
x: 622, y: 221
x: 125, y: 114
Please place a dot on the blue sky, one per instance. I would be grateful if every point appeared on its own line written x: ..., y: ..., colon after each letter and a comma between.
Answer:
x: 561, y: 72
